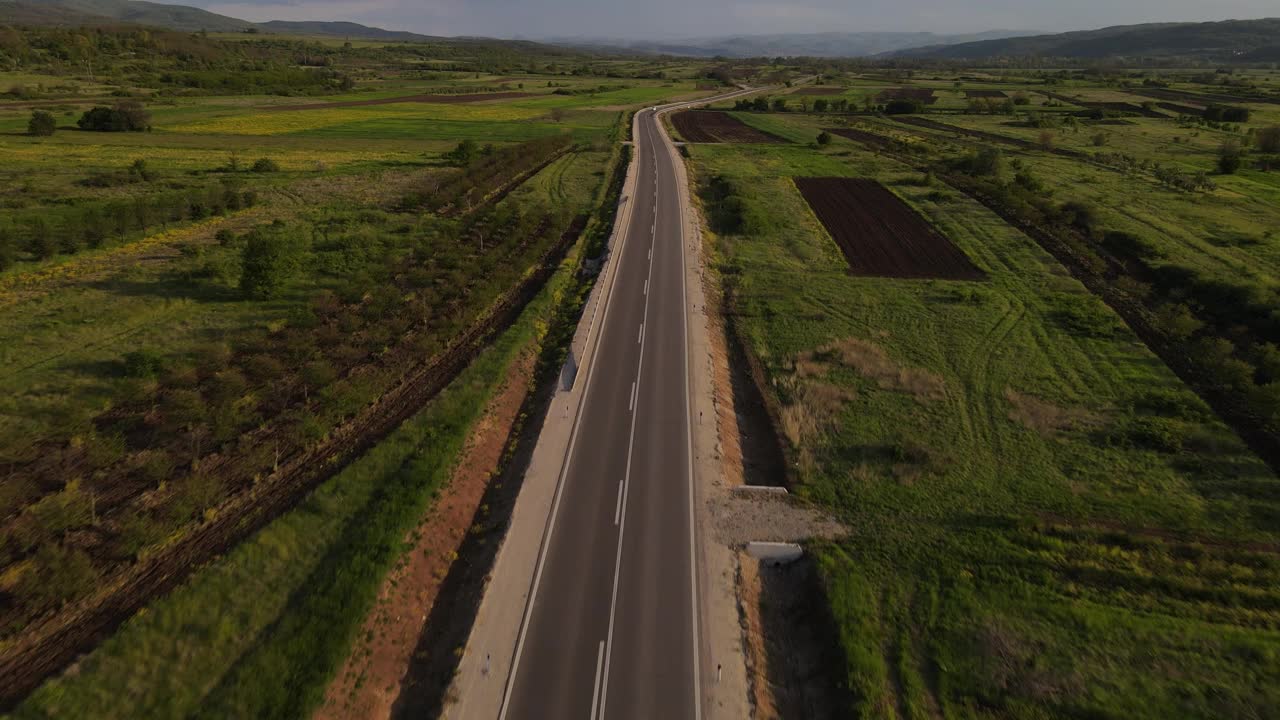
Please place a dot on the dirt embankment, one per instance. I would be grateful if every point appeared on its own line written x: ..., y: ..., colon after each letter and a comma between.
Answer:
x: 371, y: 679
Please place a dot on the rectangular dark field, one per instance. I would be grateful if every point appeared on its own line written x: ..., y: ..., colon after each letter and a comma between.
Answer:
x: 711, y: 126
x: 880, y: 235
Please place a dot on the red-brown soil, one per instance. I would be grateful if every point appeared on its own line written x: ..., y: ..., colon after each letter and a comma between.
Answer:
x: 441, y: 99
x: 825, y: 90
x: 986, y: 94
x: 370, y: 680
x: 709, y: 126
x: 880, y: 235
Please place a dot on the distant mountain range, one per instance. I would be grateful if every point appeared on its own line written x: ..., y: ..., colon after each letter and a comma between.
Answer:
x: 831, y: 44
x: 138, y: 12
x: 1226, y: 40
x: 176, y: 17
x: 1241, y: 40
x: 341, y: 29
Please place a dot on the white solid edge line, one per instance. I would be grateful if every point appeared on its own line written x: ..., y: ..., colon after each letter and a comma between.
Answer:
x: 577, y: 425
x: 595, y: 692
x: 688, y: 411
x: 564, y: 472
x: 617, y: 511
x: 622, y: 524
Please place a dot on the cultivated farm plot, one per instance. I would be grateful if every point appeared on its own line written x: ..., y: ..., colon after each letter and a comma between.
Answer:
x: 703, y: 126
x: 1000, y: 94
x: 880, y: 235
x: 823, y: 90
x: 924, y: 96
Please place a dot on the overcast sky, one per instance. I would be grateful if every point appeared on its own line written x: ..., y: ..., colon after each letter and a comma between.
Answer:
x: 665, y: 19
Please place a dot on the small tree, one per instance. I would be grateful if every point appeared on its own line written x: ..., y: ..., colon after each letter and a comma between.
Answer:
x: 1268, y: 140
x: 42, y: 124
x: 1230, y: 157
x: 820, y: 105
x: 1100, y: 139
x: 1046, y: 139
x: 824, y: 138
x: 8, y: 253
x: 463, y: 154
x: 270, y: 258
x: 780, y: 105
x: 265, y: 165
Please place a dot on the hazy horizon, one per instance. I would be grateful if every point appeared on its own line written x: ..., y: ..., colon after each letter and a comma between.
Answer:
x: 668, y: 20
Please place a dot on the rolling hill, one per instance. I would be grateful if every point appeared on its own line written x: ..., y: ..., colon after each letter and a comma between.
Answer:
x: 139, y: 12
x: 177, y: 17
x: 1226, y: 40
x: 26, y: 13
x: 831, y: 44
x: 341, y: 29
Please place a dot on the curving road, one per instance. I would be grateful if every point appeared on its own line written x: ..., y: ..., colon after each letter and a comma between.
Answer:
x: 611, y: 627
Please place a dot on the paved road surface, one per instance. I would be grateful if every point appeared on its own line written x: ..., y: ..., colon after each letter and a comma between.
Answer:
x: 612, y: 631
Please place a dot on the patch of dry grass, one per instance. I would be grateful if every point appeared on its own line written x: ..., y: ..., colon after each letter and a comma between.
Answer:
x: 872, y: 362
x: 1044, y: 417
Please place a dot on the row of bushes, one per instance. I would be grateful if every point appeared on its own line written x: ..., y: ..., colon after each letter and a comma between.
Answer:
x: 482, y: 172
x: 386, y: 281
x: 39, y: 236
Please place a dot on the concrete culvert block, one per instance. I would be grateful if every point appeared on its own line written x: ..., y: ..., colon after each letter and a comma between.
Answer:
x: 758, y: 490
x: 775, y: 553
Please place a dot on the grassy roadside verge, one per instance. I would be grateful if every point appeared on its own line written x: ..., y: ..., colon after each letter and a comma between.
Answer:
x: 260, y: 631
x: 1045, y: 522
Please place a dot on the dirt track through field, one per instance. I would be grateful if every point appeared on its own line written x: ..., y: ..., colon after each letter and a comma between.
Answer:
x: 438, y: 99
x: 708, y: 126
x: 880, y: 235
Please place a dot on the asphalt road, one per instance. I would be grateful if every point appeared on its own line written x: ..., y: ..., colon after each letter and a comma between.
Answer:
x: 611, y: 631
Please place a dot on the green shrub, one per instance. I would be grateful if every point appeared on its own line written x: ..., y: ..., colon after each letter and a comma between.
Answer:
x: 41, y: 124
x: 270, y: 258
x: 128, y: 116
x: 57, y: 575
x: 265, y: 165
x: 143, y: 363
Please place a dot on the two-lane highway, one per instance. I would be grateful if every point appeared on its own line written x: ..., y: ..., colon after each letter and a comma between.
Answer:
x: 611, y: 626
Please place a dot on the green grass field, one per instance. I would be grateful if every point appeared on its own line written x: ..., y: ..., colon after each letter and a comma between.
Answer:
x: 1021, y: 542
x: 231, y: 638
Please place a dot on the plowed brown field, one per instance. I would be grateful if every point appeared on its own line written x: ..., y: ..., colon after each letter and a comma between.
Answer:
x: 709, y: 126
x: 882, y: 236
x: 824, y: 90
x: 923, y: 96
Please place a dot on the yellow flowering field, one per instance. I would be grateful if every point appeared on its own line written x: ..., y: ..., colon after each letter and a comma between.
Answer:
x: 193, y: 158
x: 283, y: 122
